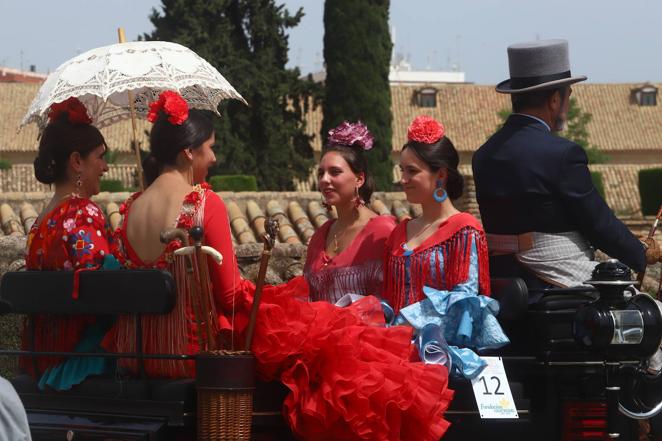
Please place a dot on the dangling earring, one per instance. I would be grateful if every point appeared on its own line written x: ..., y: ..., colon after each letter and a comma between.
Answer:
x: 79, y: 183
x: 439, y: 193
x: 325, y: 204
x: 358, y: 200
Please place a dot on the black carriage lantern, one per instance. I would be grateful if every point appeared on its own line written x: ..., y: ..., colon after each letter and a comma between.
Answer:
x: 621, y: 322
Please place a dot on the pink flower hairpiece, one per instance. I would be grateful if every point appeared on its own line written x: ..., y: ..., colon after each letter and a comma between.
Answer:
x: 351, y: 134
x: 75, y: 110
x: 172, y: 104
x: 425, y: 130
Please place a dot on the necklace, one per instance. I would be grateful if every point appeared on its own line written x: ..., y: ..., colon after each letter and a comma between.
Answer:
x: 336, y: 244
x: 420, y: 232
x: 340, y: 232
x: 337, y: 237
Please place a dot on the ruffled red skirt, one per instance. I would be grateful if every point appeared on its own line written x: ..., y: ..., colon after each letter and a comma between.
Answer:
x: 350, y: 378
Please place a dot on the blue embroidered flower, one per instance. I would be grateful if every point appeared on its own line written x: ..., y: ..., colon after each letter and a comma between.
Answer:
x: 51, y: 223
x: 81, y: 243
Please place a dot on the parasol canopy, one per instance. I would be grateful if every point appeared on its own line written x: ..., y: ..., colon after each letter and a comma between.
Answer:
x: 101, y: 79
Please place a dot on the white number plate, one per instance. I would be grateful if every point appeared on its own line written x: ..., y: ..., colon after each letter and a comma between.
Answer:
x: 492, y: 391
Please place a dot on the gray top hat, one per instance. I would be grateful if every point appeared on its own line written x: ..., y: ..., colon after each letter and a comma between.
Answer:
x: 538, y: 65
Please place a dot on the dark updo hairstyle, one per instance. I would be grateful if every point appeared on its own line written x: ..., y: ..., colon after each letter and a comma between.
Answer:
x: 438, y: 155
x: 166, y: 140
x: 357, y: 163
x: 59, y: 140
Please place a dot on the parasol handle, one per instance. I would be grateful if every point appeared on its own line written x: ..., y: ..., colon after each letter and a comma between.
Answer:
x: 269, y: 239
x: 136, y: 148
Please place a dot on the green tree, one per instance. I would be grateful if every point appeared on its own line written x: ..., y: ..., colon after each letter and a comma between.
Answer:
x: 576, y: 130
x: 357, y: 53
x: 246, y: 40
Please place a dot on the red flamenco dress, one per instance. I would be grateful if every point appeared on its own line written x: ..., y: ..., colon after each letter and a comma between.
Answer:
x: 71, y: 237
x: 358, y: 269
x: 349, y: 377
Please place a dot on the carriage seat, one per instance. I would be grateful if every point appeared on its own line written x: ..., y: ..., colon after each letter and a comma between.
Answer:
x: 102, y: 292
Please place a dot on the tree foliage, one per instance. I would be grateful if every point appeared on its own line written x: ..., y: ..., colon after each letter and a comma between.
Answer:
x: 576, y: 130
x: 357, y: 53
x: 246, y: 40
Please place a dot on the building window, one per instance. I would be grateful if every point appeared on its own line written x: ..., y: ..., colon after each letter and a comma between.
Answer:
x: 426, y: 97
x: 648, y: 98
x: 646, y: 95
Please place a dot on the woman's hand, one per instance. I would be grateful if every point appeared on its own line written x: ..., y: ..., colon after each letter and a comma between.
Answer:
x: 653, y: 253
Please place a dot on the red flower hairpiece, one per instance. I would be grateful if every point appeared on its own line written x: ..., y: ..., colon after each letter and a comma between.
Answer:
x: 172, y: 104
x: 75, y: 110
x: 425, y: 130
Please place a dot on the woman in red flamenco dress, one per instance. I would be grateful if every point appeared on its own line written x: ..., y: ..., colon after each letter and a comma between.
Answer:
x: 349, y: 377
x: 346, y: 255
x: 70, y: 234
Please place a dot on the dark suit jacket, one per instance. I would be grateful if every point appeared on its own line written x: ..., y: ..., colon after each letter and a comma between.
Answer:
x: 528, y: 179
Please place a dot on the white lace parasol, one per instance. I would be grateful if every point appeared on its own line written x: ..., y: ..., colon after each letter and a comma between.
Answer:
x: 100, y: 79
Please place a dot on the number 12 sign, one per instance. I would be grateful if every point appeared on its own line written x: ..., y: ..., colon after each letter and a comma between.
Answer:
x: 492, y: 391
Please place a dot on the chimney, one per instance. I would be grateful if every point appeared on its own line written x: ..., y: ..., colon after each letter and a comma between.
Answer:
x: 33, y: 68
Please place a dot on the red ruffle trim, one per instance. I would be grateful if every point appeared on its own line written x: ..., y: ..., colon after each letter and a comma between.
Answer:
x: 350, y: 378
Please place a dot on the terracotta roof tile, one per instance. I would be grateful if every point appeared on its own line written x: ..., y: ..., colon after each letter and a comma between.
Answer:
x: 468, y: 111
x: 621, y: 184
x: 21, y: 177
x: 619, y: 123
x: 16, y: 99
x: 246, y: 211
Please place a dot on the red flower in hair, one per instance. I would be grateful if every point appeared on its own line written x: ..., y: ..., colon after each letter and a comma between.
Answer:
x: 426, y: 130
x: 172, y: 104
x: 75, y: 110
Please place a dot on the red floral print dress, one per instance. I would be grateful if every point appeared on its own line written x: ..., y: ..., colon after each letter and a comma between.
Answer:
x: 73, y: 236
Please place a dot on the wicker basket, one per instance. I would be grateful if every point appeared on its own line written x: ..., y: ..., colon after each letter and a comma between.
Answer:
x: 225, y: 384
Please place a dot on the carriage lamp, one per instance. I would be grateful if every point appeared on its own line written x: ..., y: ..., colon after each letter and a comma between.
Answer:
x: 620, y: 323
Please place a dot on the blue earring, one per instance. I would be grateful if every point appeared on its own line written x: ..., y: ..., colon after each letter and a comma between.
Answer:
x: 439, y: 193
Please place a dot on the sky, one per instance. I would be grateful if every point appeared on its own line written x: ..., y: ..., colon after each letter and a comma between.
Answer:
x: 610, y: 40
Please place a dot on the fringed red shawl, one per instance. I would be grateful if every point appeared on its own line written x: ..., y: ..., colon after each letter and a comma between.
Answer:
x: 441, y: 261
x: 176, y: 332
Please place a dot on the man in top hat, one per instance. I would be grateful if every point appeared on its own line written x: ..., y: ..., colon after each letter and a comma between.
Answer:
x: 540, y: 209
